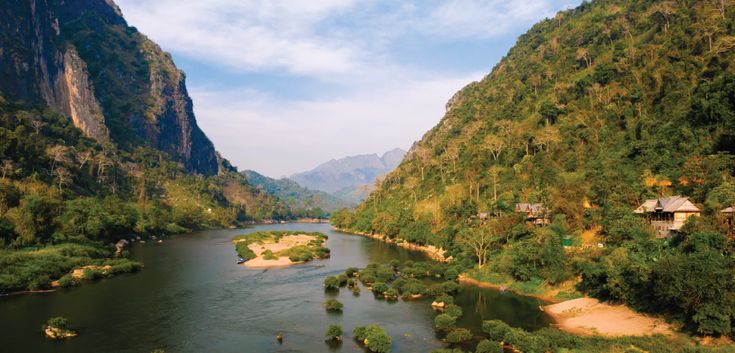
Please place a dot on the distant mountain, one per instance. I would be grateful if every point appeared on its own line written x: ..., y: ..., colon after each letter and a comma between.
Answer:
x: 297, y: 197
x: 347, y: 176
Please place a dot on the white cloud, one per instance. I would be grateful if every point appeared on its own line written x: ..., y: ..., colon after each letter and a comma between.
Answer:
x: 246, y: 35
x: 484, y: 18
x: 253, y: 129
x: 372, y: 100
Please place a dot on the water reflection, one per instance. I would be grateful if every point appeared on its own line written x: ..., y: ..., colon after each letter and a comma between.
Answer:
x: 191, y: 297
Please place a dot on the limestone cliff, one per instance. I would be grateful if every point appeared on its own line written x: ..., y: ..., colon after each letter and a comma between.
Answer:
x: 81, y: 58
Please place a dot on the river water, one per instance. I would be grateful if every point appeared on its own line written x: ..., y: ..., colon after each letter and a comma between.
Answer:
x: 192, y: 297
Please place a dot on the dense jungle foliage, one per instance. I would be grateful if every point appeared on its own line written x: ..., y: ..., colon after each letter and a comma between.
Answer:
x: 57, y: 186
x: 591, y: 113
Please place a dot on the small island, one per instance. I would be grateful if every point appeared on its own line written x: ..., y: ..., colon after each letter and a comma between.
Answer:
x: 57, y: 328
x: 280, y: 248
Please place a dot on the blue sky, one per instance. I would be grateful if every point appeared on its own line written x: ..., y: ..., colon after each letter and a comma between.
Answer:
x: 281, y: 86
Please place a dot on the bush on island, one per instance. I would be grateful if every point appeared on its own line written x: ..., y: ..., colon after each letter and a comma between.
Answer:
x: 333, y: 305
x: 458, y: 335
x: 352, y: 271
x: 374, y: 337
x: 444, y: 322
x: 453, y: 310
x: 342, y: 279
x: 392, y: 294
x: 331, y: 283
x: 379, y: 288
x: 334, y: 333
x: 487, y: 346
x: 495, y: 329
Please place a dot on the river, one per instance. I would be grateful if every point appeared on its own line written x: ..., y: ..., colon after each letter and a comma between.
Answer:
x: 192, y: 297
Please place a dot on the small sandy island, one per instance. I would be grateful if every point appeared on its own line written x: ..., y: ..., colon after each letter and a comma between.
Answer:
x: 587, y: 316
x: 280, y: 249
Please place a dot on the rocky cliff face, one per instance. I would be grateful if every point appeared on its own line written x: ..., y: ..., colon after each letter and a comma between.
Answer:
x: 81, y: 58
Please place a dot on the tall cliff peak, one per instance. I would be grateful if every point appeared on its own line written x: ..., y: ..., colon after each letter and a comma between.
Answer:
x: 81, y: 58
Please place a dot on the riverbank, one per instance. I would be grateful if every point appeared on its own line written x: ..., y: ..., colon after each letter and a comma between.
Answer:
x: 436, y: 254
x: 64, y: 265
x: 590, y: 317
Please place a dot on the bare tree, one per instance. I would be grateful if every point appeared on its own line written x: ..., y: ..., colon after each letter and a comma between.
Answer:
x: 37, y: 125
x: 423, y: 155
x: 495, y: 144
x: 495, y: 173
x: 666, y: 10
x: 83, y: 158
x: 103, y: 163
x: 63, y: 177
x: 584, y: 54
x: 8, y: 168
x: 479, y: 241
x: 59, y: 154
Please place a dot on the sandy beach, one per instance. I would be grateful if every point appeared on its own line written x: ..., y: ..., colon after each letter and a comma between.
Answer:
x: 284, y: 243
x: 587, y: 316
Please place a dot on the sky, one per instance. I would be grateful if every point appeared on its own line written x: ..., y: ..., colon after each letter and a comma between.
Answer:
x: 281, y: 86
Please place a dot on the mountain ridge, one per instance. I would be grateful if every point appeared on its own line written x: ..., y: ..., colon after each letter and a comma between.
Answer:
x: 110, y: 80
x: 349, y: 173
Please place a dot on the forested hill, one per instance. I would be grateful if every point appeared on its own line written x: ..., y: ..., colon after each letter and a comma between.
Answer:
x: 301, y: 200
x: 98, y: 143
x: 82, y: 59
x: 590, y: 113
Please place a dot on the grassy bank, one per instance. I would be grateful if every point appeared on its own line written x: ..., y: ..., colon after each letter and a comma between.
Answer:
x: 36, y: 269
x: 535, y: 287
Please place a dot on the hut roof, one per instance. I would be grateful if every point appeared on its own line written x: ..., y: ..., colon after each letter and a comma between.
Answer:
x: 667, y: 204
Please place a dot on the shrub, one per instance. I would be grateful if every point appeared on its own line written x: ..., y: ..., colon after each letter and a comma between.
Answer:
x: 351, y: 272
x: 333, y: 305
x: 450, y: 287
x: 66, y: 281
x: 334, y: 333
x: 375, y: 337
x: 331, y: 283
x: 495, y: 329
x: 486, y: 346
x: 380, y: 288
x: 342, y: 278
x: 58, y: 322
x: 446, y: 299
x: 444, y: 322
x: 453, y: 310
x: 392, y: 294
x: 269, y: 255
x: 458, y: 335
x: 451, y: 274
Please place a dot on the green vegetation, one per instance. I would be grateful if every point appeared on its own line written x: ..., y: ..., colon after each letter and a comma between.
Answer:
x: 458, y: 335
x: 58, y: 328
x: 59, y: 187
x: 331, y: 283
x: 298, y: 253
x: 333, y: 306
x: 58, y: 322
x: 374, y: 337
x: 591, y: 113
x: 552, y: 340
x: 487, y: 346
x: 334, y: 333
x: 31, y: 269
x: 302, y: 202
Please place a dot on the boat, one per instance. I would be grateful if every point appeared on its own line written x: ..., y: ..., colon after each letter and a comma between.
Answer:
x: 240, y: 260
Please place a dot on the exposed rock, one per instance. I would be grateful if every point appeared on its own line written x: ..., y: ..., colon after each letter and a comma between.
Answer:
x: 56, y: 333
x: 81, y: 58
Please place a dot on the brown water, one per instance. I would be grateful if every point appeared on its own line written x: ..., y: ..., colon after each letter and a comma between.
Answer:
x: 192, y: 297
